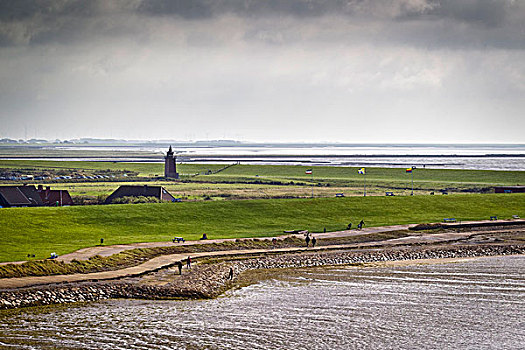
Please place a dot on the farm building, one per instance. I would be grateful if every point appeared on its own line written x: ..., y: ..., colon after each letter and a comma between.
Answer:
x: 19, y: 196
x: 509, y: 189
x: 53, y: 198
x: 158, y: 192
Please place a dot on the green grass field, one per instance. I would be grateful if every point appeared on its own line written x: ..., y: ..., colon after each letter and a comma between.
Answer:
x: 43, y: 230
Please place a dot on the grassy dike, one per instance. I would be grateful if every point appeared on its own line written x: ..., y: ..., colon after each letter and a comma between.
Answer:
x: 41, y: 230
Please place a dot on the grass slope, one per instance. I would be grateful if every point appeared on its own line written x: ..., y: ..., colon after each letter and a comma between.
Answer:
x: 44, y: 230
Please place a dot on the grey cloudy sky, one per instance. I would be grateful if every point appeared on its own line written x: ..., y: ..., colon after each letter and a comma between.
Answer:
x: 264, y: 70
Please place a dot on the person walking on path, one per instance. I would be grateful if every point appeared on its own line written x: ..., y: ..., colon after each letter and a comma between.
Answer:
x: 307, y: 239
x: 179, y: 265
x: 314, y: 240
x: 188, y: 262
x: 230, y: 275
x: 361, y: 224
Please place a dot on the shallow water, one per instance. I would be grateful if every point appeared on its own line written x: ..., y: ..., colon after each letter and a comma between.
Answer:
x: 476, y: 304
x: 477, y: 157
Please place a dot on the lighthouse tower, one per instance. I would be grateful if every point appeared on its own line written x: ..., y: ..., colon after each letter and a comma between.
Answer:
x: 170, y: 167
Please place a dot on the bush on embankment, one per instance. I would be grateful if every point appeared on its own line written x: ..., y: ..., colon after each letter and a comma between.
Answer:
x: 133, y: 257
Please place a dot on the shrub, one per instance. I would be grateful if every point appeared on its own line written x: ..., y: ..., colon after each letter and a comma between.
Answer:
x: 85, y: 200
x: 135, y: 200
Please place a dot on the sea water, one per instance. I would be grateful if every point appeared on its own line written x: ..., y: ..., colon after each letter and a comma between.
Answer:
x: 471, y: 304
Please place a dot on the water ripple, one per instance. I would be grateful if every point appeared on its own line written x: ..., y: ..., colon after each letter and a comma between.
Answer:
x: 472, y: 304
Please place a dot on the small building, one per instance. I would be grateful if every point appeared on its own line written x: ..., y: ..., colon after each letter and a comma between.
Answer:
x: 19, y: 196
x: 509, y: 189
x: 158, y: 192
x: 52, y: 198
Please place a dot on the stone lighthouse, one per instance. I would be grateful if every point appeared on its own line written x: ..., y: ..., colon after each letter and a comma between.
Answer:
x: 170, y: 167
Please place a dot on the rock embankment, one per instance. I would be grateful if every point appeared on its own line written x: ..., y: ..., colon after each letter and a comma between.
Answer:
x: 210, y: 280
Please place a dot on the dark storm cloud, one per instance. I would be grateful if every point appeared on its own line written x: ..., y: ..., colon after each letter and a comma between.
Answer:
x: 16, y: 10
x: 26, y: 22
x: 35, y: 22
x: 490, y: 12
x: 483, y: 12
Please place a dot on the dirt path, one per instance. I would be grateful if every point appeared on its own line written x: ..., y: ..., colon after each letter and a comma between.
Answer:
x: 170, y: 260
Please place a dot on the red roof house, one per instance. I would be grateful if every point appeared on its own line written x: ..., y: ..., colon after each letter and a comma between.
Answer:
x: 52, y: 198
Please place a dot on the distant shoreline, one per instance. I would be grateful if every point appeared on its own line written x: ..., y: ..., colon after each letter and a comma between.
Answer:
x: 84, y: 143
x: 247, y: 157
x: 506, y: 162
